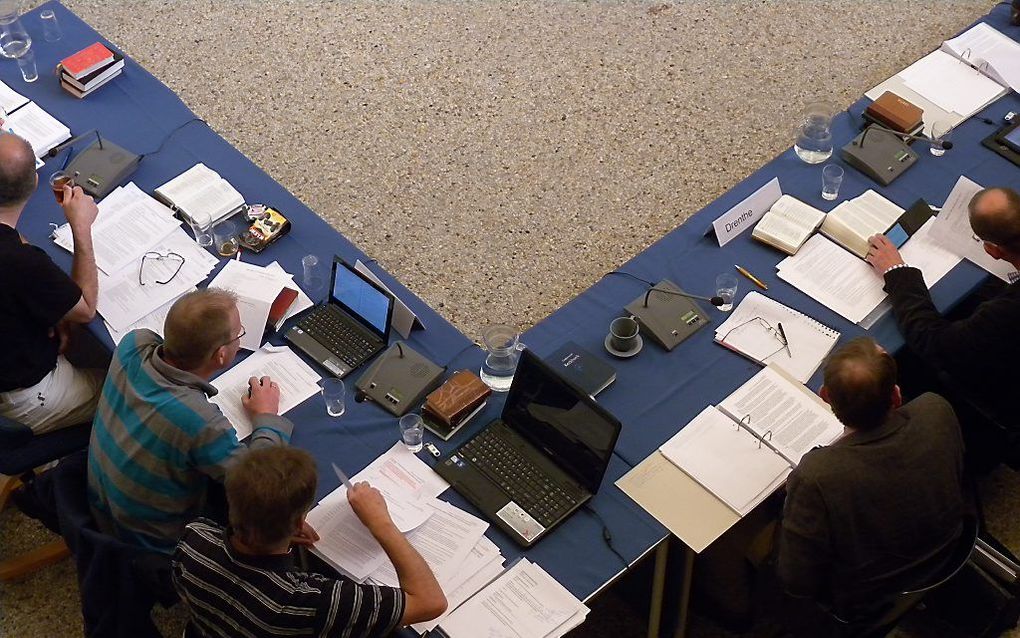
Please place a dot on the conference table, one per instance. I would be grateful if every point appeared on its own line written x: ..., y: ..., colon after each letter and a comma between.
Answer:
x: 655, y: 393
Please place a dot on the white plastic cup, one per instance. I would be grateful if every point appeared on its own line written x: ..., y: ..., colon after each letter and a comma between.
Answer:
x: 832, y: 178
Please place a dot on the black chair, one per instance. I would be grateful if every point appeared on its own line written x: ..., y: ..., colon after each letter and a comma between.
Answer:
x: 119, y: 583
x: 21, y: 452
x: 879, y: 622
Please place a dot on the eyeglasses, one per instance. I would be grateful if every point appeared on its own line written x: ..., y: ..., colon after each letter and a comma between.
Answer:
x: 161, y: 269
x: 758, y: 322
x: 237, y: 338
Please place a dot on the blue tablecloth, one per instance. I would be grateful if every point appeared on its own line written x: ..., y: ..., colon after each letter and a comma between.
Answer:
x: 658, y: 392
x: 138, y: 112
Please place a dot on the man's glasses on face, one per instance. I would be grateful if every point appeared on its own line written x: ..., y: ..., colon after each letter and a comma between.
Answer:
x: 237, y: 338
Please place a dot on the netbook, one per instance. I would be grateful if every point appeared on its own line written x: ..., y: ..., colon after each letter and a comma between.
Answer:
x: 350, y: 327
x: 544, y: 458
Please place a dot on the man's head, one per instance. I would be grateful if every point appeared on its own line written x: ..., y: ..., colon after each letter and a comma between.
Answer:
x: 17, y: 171
x: 202, y: 331
x: 860, y: 384
x: 995, y: 218
x: 269, y: 491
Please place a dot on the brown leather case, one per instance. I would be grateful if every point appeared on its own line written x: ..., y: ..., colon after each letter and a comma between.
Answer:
x: 451, y: 402
x: 892, y: 111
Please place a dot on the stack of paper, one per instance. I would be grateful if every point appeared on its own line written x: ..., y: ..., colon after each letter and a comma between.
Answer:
x: 752, y: 329
x: 296, y: 379
x: 995, y: 54
x: 525, y: 602
x: 256, y: 287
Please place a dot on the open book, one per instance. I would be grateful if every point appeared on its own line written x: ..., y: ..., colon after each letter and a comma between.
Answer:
x: 853, y: 221
x: 200, y: 190
x: 962, y: 77
x: 788, y: 224
x: 39, y: 128
x: 744, y: 448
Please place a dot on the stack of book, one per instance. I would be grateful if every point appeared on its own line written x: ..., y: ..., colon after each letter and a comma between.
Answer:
x: 89, y: 69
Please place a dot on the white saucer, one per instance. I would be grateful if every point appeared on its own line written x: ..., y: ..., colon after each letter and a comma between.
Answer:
x: 620, y: 353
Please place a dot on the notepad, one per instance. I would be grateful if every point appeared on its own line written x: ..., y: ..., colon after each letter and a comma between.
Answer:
x: 744, y: 448
x: 752, y: 330
x: 788, y: 224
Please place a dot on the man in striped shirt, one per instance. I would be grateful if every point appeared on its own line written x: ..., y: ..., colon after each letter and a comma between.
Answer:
x: 242, y: 581
x: 157, y: 441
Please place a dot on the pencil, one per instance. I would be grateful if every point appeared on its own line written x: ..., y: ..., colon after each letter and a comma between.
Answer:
x: 746, y: 273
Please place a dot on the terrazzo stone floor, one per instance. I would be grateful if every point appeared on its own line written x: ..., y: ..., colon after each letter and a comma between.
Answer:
x: 499, y: 157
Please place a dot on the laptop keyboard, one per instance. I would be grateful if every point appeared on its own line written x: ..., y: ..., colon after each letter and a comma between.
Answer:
x: 338, y: 335
x: 522, y: 480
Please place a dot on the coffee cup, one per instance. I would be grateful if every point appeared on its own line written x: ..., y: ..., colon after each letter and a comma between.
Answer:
x: 623, y: 334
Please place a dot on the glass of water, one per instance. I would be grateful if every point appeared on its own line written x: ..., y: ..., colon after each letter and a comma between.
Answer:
x: 726, y: 287
x: 940, y: 131
x: 313, y: 278
x: 333, y: 393
x: 26, y: 63
x: 412, y: 429
x: 200, y: 223
x: 832, y: 178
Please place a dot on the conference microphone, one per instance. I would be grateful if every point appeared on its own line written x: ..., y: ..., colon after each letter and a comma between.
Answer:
x: 946, y: 144
x: 715, y: 301
x: 74, y: 140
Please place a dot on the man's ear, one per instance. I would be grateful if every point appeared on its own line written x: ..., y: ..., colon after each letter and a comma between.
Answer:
x: 824, y: 393
x: 897, y: 397
x: 994, y: 251
x: 221, y: 357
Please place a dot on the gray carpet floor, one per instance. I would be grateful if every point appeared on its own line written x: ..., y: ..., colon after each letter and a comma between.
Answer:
x: 498, y: 157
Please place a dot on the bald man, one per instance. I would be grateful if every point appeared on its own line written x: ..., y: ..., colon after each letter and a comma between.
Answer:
x: 39, y: 302
x: 982, y: 350
x: 879, y: 510
x: 157, y: 440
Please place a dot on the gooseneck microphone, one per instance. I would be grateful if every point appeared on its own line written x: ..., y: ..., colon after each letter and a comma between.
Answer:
x: 903, y: 136
x: 715, y: 301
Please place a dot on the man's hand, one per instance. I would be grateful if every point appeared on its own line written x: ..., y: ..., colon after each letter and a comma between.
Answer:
x: 306, y: 535
x: 263, y: 397
x: 882, y: 255
x: 370, y: 506
x: 79, y: 208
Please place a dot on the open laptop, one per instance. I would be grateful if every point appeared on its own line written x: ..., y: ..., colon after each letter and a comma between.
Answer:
x: 541, y: 460
x: 350, y: 327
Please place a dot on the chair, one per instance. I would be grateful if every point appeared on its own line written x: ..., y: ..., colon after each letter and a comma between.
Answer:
x: 119, y: 583
x: 881, y: 621
x: 21, y: 452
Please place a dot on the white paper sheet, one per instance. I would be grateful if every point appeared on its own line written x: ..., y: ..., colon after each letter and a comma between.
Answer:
x: 483, y: 564
x: 344, y: 542
x: 303, y: 301
x: 296, y: 379
x: 989, y: 50
x: 950, y: 83
x: 525, y: 602
x: 256, y: 289
x: 123, y: 300
x: 10, y: 99
x: 922, y: 252
x: 39, y: 128
x: 153, y: 321
x: 834, y: 277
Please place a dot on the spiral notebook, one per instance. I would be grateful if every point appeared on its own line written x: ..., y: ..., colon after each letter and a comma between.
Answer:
x: 768, y: 332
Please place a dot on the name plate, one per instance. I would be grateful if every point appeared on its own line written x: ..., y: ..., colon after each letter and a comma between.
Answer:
x: 743, y: 216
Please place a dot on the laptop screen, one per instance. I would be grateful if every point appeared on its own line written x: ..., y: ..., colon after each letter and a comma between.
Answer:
x: 361, y: 298
x: 569, y: 426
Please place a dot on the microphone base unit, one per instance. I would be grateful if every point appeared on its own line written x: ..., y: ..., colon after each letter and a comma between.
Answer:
x: 102, y: 167
x: 883, y: 156
x: 668, y: 319
x: 399, y: 379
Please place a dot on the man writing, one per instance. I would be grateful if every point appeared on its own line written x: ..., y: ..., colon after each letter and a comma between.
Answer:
x: 242, y: 580
x: 157, y: 440
x: 880, y: 510
x: 978, y: 351
x: 39, y: 387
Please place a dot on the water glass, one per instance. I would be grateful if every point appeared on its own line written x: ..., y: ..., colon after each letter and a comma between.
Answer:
x: 940, y: 131
x: 51, y: 28
x: 58, y: 180
x: 726, y: 287
x: 412, y: 429
x: 313, y: 278
x: 225, y: 236
x: 26, y: 63
x: 333, y: 393
x: 832, y: 178
x: 200, y: 223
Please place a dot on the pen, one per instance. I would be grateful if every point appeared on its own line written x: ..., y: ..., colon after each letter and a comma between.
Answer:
x: 786, y: 342
x: 343, y: 477
x: 743, y: 271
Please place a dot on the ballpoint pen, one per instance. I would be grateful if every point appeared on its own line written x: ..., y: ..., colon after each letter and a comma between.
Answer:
x: 743, y: 271
x: 340, y: 475
x: 786, y: 342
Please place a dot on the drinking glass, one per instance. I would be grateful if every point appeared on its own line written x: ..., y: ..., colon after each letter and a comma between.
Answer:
x: 200, y: 223
x: 58, y: 180
x: 412, y: 429
x: 726, y: 287
x: 940, y: 131
x: 832, y: 178
x: 225, y: 236
x: 333, y: 393
x: 26, y: 63
x: 313, y: 278
x: 51, y: 28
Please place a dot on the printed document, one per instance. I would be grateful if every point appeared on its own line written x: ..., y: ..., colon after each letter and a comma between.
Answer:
x: 10, y: 99
x: 951, y: 84
x: 296, y: 379
x: 256, y: 288
x: 153, y: 321
x: 39, y: 128
x: 989, y: 50
x: 483, y: 565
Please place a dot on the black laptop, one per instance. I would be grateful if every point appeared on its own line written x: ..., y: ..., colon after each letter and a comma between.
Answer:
x: 541, y: 460
x: 350, y: 327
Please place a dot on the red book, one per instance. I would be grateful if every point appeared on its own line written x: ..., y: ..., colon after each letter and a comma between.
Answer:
x: 87, y: 60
